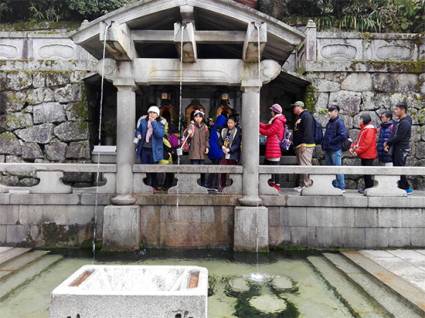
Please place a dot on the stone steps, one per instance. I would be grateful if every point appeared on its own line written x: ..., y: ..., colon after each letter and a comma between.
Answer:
x: 18, y: 263
x: 390, y: 301
x: 11, y: 253
x: 27, y: 269
x: 357, y: 301
x: 411, y: 294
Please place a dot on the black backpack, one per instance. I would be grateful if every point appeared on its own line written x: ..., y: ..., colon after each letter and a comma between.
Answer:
x: 346, y: 144
x: 318, y: 132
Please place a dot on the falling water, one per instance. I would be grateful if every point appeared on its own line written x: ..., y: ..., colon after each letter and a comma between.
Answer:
x: 180, y: 107
x: 257, y: 276
x: 96, y: 201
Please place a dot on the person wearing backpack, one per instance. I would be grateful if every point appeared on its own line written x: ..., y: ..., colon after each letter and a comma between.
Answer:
x: 386, y: 131
x: 365, y: 146
x: 304, y: 140
x: 335, y: 136
x: 274, y: 130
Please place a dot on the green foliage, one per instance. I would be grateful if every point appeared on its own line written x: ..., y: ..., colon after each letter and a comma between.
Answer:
x: 352, y: 15
x: 55, y: 10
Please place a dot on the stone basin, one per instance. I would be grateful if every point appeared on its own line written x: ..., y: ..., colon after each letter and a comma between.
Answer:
x: 133, y: 292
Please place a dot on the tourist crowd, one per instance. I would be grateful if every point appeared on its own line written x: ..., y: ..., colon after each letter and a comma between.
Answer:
x: 220, y: 141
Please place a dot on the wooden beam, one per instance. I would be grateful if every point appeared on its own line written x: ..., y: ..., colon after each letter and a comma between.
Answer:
x: 201, y: 37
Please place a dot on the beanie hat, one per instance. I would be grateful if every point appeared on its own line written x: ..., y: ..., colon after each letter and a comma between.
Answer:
x: 276, y: 108
x: 154, y: 109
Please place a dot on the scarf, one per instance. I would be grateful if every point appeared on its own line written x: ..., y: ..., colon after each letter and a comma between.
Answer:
x: 149, y: 132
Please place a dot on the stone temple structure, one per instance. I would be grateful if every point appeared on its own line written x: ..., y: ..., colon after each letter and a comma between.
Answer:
x: 49, y: 94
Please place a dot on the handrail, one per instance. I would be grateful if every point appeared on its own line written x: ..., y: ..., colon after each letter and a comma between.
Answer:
x: 189, y: 169
x: 349, y: 170
x: 64, y: 167
x: 194, y: 169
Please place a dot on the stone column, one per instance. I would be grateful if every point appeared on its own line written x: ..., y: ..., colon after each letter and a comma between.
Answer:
x: 310, y: 41
x: 126, y: 117
x: 251, y: 144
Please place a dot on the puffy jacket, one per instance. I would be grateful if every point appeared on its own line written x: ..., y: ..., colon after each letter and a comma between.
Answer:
x: 365, y: 144
x: 335, y: 135
x: 215, y: 151
x: 274, y: 131
x: 385, y: 133
x: 157, y: 137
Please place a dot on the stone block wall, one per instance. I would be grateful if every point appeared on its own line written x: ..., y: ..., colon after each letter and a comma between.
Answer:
x: 372, y: 93
x: 366, y: 73
x: 44, y: 115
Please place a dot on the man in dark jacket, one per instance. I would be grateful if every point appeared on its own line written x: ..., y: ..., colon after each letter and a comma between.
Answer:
x: 386, y: 131
x: 399, y: 143
x: 303, y: 140
x: 335, y: 135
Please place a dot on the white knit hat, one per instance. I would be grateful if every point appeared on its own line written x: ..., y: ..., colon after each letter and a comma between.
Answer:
x: 153, y: 109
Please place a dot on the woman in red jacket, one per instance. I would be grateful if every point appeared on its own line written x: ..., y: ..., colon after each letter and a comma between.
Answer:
x: 365, y: 146
x: 274, y: 131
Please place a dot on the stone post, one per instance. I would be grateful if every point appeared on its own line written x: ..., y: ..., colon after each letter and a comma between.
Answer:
x: 310, y: 41
x: 126, y: 117
x: 251, y: 226
x: 250, y: 135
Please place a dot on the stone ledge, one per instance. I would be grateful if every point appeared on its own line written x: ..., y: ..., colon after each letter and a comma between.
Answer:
x: 47, y: 199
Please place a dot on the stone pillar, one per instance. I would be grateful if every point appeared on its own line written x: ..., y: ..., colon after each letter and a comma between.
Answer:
x: 251, y: 144
x: 251, y: 225
x: 310, y: 41
x: 126, y: 117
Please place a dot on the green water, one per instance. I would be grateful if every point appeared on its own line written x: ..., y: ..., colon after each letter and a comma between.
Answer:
x: 312, y: 298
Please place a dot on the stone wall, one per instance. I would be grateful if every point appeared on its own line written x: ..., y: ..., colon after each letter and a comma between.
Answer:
x: 66, y: 220
x: 366, y: 73
x: 43, y: 105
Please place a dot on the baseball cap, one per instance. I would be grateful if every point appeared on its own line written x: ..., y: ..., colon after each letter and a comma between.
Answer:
x: 298, y: 104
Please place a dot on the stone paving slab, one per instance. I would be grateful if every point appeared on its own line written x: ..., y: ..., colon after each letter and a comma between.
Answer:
x: 12, y: 253
x: 407, y: 264
x: 407, y: 290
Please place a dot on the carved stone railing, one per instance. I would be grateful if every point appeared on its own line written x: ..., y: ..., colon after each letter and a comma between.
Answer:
x: 386, y: 178
x: 50, y: 177
x: 360, y: 52
x: 187, y: 177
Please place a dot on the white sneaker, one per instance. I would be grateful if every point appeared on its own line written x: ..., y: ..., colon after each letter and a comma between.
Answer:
x: 298, y: 189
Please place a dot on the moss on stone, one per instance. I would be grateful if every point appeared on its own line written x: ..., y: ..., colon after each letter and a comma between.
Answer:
x: 310, y: 98
x: 415, y: 67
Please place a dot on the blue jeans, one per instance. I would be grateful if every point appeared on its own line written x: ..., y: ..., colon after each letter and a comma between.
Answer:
x: 334, y: 158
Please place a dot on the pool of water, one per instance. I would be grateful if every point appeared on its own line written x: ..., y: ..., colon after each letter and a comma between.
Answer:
x: 309, y: 298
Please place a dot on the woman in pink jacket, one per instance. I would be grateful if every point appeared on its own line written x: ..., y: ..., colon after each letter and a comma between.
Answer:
x: 274, y: 130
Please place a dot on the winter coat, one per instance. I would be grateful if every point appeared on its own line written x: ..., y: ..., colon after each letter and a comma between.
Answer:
x: 402, y: 134
x: 304, y: 130
x: 335, y: 135
x: 274, y: 131
x: 198, y: 141
x: 385, y: 133
x: 235, y: 145
x: 365, y: 144
x: 215, y: 151
x: 157, y: 137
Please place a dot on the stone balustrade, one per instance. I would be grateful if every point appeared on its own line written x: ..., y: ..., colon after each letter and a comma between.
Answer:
x: 187, y: 177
